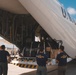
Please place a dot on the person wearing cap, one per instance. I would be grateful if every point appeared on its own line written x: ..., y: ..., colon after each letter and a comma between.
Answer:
x: 4, y: 59
x: 41, y: 62
x: 61, y: 59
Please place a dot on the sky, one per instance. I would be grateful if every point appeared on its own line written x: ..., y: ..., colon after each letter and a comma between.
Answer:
x: 70, y: 6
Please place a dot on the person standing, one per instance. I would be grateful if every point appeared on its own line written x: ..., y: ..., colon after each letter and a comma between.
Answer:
x: 4, y: 59
x: 0, y: 66
x: 42, y: 60
x: 61, y: 59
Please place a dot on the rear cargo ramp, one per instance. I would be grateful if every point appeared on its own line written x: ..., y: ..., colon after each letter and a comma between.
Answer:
x: 49, y: 15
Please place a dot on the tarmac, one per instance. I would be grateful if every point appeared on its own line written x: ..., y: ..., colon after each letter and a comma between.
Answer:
x: 71, y: 68
x: 52, y: 70
x: 16, y: 70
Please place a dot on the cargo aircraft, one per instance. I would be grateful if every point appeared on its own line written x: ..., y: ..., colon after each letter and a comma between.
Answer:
x: 49, y: 14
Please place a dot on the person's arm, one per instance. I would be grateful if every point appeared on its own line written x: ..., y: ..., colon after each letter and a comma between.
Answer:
x: 57, y: 59
x: 47, y: 62
x: 46, y: 59
x: 8, y: 59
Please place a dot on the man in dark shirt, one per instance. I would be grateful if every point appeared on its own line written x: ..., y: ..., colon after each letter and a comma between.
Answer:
x: 41, y: 61
x: 4, y: 55
x: 62, y: 61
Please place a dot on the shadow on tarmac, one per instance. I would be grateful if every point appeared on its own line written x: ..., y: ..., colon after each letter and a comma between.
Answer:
x: 71, y: 68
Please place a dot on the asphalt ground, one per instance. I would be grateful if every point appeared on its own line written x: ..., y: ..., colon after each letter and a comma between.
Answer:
x: 52, y: 70
x: 71, y: 68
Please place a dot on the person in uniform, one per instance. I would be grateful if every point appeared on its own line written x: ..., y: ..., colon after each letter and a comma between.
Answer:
x: 0, y: 66
x: 61, y: 59
x: 4, y: 59
x: 41, y: 62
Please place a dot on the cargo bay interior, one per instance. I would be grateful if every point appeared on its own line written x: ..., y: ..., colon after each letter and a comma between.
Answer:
x: 22, y: 29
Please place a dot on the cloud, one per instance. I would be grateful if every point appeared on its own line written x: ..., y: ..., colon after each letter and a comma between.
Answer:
x: 71, y: 11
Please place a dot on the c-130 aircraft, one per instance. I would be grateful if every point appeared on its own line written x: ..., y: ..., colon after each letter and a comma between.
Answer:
x: 51, y: 16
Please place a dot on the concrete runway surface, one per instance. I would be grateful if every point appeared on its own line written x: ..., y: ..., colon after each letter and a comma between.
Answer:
x: 15, y: 70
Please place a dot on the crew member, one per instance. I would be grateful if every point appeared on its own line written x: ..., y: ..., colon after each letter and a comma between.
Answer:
x: 62, y: 61
x: 41, y: 61
x: 4, y: 59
